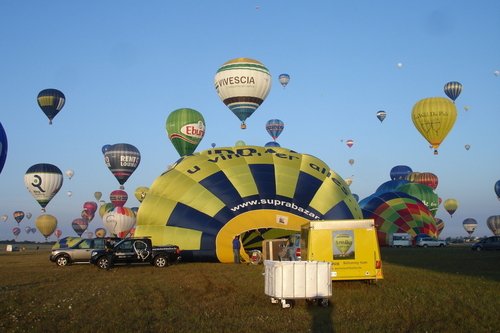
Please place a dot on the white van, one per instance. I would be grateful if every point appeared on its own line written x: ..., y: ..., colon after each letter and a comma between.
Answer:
x: 399, y: 240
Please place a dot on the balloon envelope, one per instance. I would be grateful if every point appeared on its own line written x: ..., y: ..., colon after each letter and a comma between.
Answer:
x: 122, y: 159
x: 79, y: 225
x: 427, y: 178
x: 349, y: 143
x: 118, y: 198
x: 493, y: 223
x: 395, y: 212
x: 207, y: 198
x: 98, y: 195
x: 243, y: 84
x: 46, y: 224
x: 69, y: 173
x: 119, y: 221
x: 470, y: 225
x: 51, y: 101
x: 284, y: 79
x: 18, y: 216
x: 434, y: 118
x: 497, y: 189
x: 450, y: 205
x: 16, y: 231
x: 3, y: 147
x: 272, y: 144
x: 381, y: 115
x: 185, y: 128
x: 453, y: 89
x: 274, y: 127
x: 141, y: 192
x: 43, y: 181
x: 423, y: 193
x: 400, y: 172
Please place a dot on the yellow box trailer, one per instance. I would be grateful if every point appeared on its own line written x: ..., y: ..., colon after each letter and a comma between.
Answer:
x: 350, y: 245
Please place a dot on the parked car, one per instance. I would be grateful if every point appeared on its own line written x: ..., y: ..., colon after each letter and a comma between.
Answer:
x: 490, y: 243
x: 431, y: 242
x: 79, y: 252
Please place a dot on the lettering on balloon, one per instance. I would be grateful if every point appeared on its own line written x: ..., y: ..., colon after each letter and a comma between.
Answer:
x: 195, y: 130
x: 129, y: 161
x: 231, y: 80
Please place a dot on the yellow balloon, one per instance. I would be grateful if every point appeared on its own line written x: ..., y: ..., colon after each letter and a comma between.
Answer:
x: 343, y: 243
x: 434, y: 117
x: 140, y: 193
x: 46, y: 224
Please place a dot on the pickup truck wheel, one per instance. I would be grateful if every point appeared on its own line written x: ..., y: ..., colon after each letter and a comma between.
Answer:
x: 425, y: 245
x: 62, y: 260
x: 103, y: 263
x: 479, y: 248
x: 441, y: 245
x: 161, y: 261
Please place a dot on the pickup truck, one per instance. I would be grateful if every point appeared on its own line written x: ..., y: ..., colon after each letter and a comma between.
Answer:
x: 137, y: 250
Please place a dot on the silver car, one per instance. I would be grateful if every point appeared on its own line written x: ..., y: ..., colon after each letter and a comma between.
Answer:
x: 78, y: 253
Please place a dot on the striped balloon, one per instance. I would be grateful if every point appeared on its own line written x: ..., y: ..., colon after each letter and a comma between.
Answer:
x: 204, y: 200
x: 43, y: 180
x: 453, y: 89
x: 243, y: 84
x: 274, y: 127
x: 51, y: 101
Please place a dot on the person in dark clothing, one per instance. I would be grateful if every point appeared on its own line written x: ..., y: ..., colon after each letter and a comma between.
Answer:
x: 236, y: 249
x: 109, y: 253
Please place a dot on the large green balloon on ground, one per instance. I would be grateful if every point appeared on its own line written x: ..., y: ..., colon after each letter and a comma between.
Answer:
x: 423, y: 193
x: 206, y: 199
x: 185, y: 129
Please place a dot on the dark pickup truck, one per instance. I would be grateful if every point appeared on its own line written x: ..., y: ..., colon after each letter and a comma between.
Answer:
x: 137, y: 250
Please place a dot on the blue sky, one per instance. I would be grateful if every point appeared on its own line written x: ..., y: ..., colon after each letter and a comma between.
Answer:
x: 125, y: 65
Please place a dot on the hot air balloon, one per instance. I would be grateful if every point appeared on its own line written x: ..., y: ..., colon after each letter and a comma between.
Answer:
x: 79, y: 225
x: 58, y: 233
x: 470, y: 225
x: 100, y: 232
x: 349, y: 143
x: 206, y: 199
x: 18, y: 216
x: 98, y: 195
x: 240, y: 143
x: 243, y: 84
x: 412, y: 176
x: 427, y: 178
x: 51, y: 101
x: 450, y: 205
x: 43, y: 180
x: 27, y: 230
x: 381, y: 115
x: 351, y: 161
x: 28, y: 215
x: 396, y: 212
x: 4, y: 217
x: 493, y: 223
x: 69, y: 193
x: 213, y: 145
x: 453, y: 89
x: 497, y: 189
x: 423, y: 193
x: 122, y: 159
x: 16, y: 231
x: 467, y: 147
x: 434, y: 117
x: 3, y: 147
x: 69, y: 173
x: 390, y: 186
x: 90, y: 206
x: 284, y: 79
x: 118, y: 198
x: 185, y: 128
x: 104, y: 208
x: 272, y: 144
x: 140, y: 193
x: 439, y: 225
x: 87, y: 215
x: 274, y: 127
x: 400, y: 172
x: 119, y: 221
x: 46, y: 224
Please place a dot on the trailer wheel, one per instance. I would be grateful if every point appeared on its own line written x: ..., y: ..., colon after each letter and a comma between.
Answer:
x: 324, y: 302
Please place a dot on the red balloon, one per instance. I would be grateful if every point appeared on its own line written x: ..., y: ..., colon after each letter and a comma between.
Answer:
x: 118, y: 198
x: 90, y: 206
x: 427, y: 178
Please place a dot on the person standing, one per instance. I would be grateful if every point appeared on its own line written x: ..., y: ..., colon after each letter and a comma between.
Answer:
x: 236, y: 249
x: 109, y: 253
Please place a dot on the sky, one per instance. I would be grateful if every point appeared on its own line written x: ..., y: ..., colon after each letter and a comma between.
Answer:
x: 125, y: 65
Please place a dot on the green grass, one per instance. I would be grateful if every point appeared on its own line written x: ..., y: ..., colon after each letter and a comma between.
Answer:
x: 424, y: 290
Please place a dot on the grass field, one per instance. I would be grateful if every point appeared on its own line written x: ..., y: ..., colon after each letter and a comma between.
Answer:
x: 425, y: 290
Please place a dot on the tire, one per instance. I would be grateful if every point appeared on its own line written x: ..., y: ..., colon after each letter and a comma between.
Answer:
x: 479, y: 248
x: 324, y: 302
x: 425, y: 245
x: 62, y: 260
x: 103, y: 263
x: 160, y: 261
x: 441, y: 245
